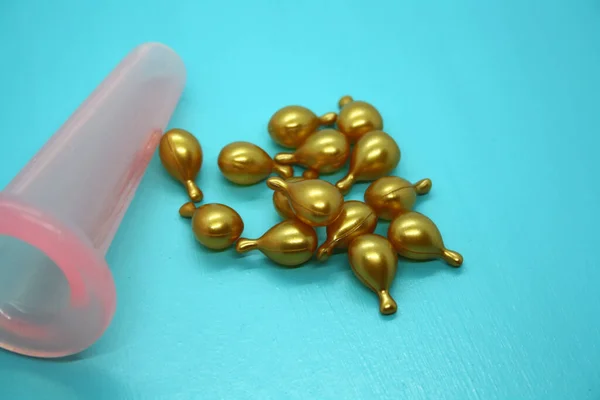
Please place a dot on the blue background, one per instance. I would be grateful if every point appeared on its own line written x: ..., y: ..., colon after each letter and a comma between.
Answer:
x: 496, y: 102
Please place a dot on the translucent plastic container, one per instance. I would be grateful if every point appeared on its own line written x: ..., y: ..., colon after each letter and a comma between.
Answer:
x: 60, y: 213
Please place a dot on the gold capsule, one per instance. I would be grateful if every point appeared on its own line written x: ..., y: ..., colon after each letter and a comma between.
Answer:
x: 290, y: 126
x: 375, y: 155
x: 181, y: 155
x: 215, y: 226
x: 374, y: 262
x: 356, y: 219
x: 416, y: 237
x: 245, y: 163
x: 357, y: 118
x: 391, y: 195
x: 314, y: 202
x: 281, y: 202
x: 325, y: 151
x: 289, y: 243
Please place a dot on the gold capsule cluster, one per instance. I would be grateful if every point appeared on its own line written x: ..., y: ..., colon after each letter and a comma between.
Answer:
x: 322, y: 145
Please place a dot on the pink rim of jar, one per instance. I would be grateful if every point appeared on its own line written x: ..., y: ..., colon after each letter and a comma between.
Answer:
x: 87, y: 274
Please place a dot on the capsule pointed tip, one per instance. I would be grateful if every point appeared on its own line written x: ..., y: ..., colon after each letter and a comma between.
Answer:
x: 323, y: 252
x: 310, y: 174
x: 244, y: 245
x: 345, y: 184
x: 328, y: 119
x: 276, y: 183
x: 423, y: 186
x: 194, y: 191
x: 187, y: 210
x: 452, y: 257
x: 345, y: 100
x: 284, y: 171
x: 387, y: 305
x: 285, y: 158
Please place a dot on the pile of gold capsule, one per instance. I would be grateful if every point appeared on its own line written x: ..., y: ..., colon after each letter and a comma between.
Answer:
x: 307, y: 202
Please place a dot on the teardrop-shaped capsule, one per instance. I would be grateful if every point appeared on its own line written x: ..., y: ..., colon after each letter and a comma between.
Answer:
x: 291, y: 125
x: 181, y: 155
x: 282, y: 203
x: 325, y: 151
x: 374, y: 262
x: 315, y: 202
x: 375, y: 155
x: 391, y: 195
x: 357, y: 118
x: 416, y: 237
x: 289, y: 243
x: 356, y: 219
x: 245, y: 163
x: 215, y: 226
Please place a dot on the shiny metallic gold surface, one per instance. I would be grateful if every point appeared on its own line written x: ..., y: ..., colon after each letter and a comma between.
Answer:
x: 391, y: 195
x: 289, y: 243
x: 356, y: 219
x: 375, y: 155
x: 187, y: 210
x: 344, y: 101
x: 216, y: 226
x: 181, y: 155
x: 357, y: 118
x: 325, y: 151
x: 290, y: 126
x: 416, y: 237
x: 315, y: 202
x: 374, y: 262
x: 310, y: 174
x: 281, y: 202
x: 245, y: 163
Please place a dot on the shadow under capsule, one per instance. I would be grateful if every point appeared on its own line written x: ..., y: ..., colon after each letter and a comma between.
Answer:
x: 307, y: 274
x: 249, y: 192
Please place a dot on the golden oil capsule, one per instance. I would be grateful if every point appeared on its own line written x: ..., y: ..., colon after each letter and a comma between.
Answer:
x: 325, y: 151
x: 215, y: 226
x: 356, y: 219
x: 374, y: 262
x: 375, y: 155
x: 291, y: 125
x: 391, y: 195
x: 314, y: 202
x: 289, y: 243
x: 181, y: 155
x: 357, y: 118
x: 416, y: 237
x: 245, y: 163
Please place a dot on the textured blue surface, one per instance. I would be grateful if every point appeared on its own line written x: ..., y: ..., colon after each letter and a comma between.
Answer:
x: 497, y: 102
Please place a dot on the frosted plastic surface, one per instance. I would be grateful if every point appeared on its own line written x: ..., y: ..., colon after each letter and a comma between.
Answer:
x: 60, y: 213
